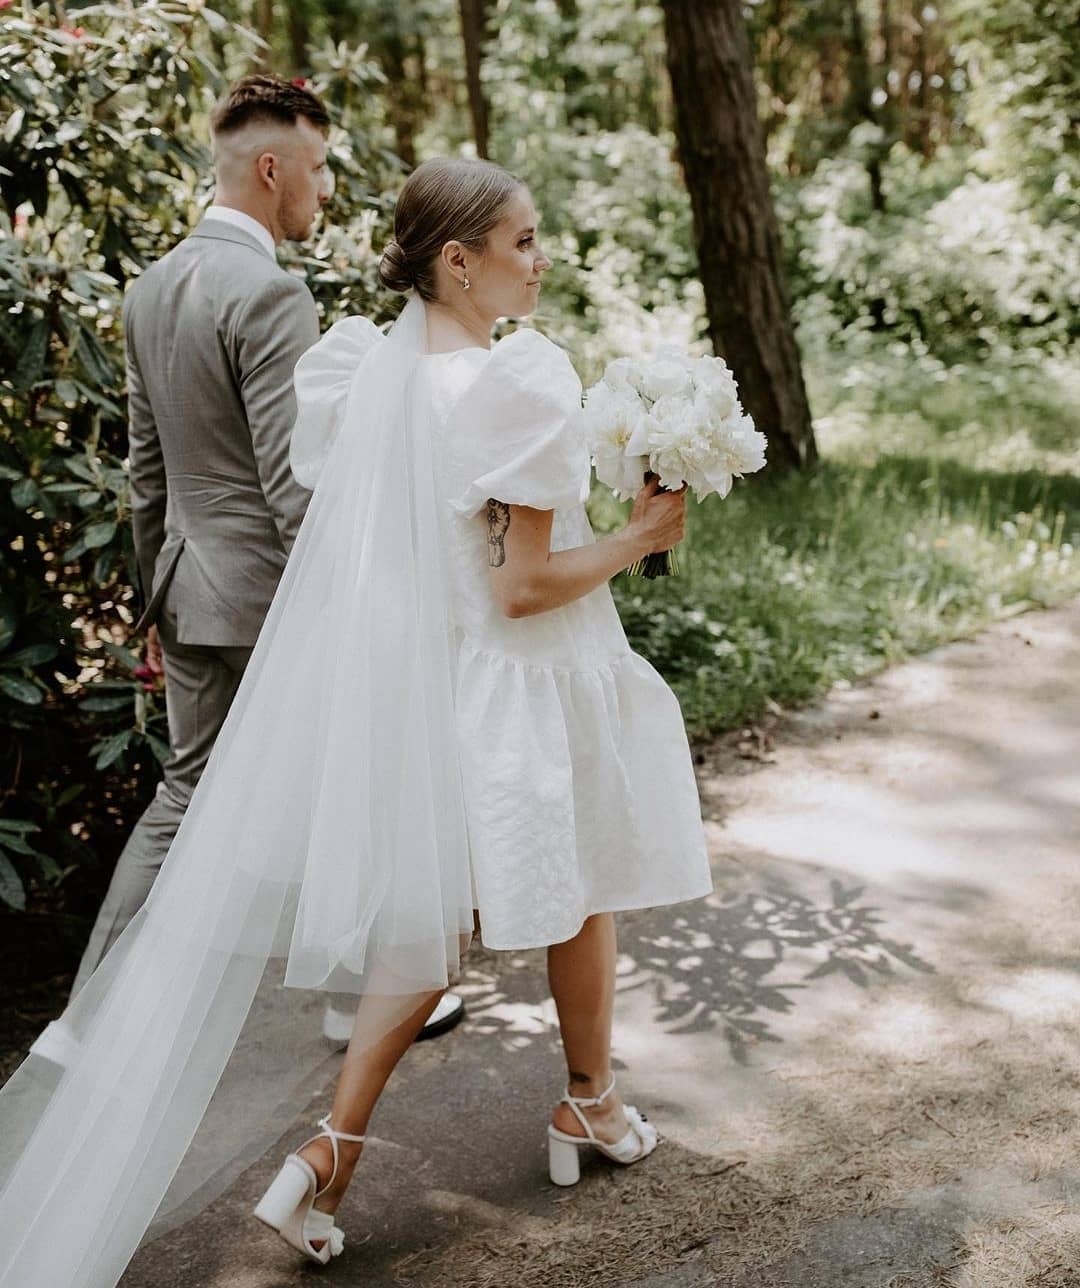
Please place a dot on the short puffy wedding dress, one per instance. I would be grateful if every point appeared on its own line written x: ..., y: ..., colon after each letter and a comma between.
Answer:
x: 398, y: 754
x: 579, y: 790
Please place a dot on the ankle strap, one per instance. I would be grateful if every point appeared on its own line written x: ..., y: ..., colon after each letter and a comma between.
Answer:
x: 588, y: 1101
x: 335, y: 1136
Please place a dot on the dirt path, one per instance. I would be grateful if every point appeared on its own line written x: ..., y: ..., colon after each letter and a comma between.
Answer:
x: 863, y: 1052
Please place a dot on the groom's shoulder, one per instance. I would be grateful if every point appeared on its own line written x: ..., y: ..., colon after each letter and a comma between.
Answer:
x: 227, y: 269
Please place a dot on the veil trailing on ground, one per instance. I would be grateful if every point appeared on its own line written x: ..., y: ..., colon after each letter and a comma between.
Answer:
x: 325, y: 845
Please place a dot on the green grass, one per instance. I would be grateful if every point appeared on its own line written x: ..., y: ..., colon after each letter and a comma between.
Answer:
x: 927, y: 519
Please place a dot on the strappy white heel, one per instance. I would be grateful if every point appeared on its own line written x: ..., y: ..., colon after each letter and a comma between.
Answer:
x: 564, y: 1164
x: 287, y: 1206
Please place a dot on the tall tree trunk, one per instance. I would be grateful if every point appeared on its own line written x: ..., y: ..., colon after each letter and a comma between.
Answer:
x: 774, y: 43
x: 738, y: 240
x: 263, y: 18
x: 400, y: 96
x: 299, y: 23
x: 861, y: 95
x: 473, y: 34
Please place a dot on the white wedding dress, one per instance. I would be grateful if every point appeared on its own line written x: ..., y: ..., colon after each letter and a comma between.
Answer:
x: 579, y: 789
x: 397, y: 754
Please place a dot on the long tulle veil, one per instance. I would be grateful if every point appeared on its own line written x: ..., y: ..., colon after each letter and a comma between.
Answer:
x: 324, y: 849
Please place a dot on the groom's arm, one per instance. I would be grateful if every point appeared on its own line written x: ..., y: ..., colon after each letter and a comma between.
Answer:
x: 279, y: 324
x: 146, y: 468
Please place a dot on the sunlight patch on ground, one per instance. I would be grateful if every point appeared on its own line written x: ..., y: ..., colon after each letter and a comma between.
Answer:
x: 1036, y: 995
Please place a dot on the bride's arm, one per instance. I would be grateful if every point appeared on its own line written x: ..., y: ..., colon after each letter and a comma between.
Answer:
x: 528, y: 577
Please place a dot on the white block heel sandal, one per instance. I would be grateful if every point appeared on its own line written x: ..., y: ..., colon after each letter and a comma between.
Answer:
x: 287, y: 1206
x: 564, y: 1165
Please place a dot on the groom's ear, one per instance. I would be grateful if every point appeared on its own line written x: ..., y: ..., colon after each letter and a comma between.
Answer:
x: 266, y: 164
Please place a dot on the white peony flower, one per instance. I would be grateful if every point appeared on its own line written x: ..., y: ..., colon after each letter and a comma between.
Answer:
x: 716, y: 384
x: 625, y: 475
x: 611, y: 419
x: 665, y: 379
x: 673, y: 409
x: 677, y: 416
x: 624, y: 375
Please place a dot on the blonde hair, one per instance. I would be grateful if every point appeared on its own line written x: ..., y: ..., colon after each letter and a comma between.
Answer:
x: 445, y: 199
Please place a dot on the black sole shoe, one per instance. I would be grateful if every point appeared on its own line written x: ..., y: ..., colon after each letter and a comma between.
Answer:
x: 439, y: 1024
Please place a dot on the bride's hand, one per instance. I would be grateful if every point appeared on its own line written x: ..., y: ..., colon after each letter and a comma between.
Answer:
x: 658, y: 518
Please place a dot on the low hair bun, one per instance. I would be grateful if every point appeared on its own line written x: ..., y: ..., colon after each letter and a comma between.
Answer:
x: 394, y: 271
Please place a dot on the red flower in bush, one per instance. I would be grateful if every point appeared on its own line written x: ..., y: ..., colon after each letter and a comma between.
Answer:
x: 77, y: 32
x: 299, y: 81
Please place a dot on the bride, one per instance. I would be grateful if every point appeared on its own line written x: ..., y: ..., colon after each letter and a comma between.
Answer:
x: 442, y: 726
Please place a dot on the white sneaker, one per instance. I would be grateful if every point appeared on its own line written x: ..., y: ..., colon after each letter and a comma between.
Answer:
x: 337, y: 1025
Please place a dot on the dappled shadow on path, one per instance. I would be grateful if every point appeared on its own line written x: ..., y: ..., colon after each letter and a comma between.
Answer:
x: 725, y: 961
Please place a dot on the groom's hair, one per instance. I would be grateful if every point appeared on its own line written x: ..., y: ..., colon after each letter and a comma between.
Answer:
x: 267, y: 98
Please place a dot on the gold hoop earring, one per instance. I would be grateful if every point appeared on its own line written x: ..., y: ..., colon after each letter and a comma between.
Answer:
x: 465, y: 284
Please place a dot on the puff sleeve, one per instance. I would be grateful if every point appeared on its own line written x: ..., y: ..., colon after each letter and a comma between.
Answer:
x: 516, y: 433
x: 322, y: 379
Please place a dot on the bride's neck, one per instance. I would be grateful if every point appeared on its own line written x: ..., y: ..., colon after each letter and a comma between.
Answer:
x: 456, y: 327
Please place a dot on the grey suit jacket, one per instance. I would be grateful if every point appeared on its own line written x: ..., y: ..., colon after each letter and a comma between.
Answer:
x: 213, y: 331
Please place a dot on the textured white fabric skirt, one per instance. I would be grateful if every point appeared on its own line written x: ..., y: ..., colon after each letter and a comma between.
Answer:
x: 580, y: 794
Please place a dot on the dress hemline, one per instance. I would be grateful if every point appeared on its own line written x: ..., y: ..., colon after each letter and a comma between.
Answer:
x: 602, y: 906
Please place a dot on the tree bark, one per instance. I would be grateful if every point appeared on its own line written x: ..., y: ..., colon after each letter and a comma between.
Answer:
x: 401, y: 94
x: 473, y: 34
x: 738, y: 240
x: 862, y: 96
x: 264, y: 25
x: 299, y: 24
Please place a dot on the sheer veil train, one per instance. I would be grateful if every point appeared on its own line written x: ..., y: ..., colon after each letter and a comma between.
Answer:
x: 325, y: 848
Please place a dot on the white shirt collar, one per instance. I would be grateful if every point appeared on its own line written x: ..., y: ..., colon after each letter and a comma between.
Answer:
x: 244, y: 222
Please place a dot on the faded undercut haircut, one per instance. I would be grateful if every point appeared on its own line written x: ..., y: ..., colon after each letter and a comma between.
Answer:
x: 267, y: 98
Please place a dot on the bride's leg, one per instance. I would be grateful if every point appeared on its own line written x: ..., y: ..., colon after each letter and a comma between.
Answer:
x: 360, y: 1083
x: 581, y: 973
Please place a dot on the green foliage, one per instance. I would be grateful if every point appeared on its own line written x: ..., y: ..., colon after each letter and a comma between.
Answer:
x: 104, y: 166
x: 1025, y: 56
x: 957, y: 264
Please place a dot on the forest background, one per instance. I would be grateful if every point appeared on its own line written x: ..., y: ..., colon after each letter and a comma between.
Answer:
x: 924, y: 170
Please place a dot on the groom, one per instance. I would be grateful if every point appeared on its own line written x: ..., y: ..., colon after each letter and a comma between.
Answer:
x: 213, y: 332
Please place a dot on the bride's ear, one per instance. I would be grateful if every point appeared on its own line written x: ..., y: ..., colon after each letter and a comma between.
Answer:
x: 453, y: 256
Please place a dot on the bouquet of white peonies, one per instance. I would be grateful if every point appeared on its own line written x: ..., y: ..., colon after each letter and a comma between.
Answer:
x: 677, y: 417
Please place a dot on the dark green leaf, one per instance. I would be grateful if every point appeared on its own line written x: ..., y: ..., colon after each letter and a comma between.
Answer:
x: 24, y: 494
x: 32, y: 655
x: 19, y: 689
x: 106, y: 704
x: 159, y: 748
x: 103, y: 566
x: 111, y: 749
x: 99, y: 534
x: 11, y: 887
x: 9, y: 623
x: 122, y: 655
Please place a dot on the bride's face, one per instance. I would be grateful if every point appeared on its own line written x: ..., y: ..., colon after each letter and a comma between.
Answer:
x: 505, y: 281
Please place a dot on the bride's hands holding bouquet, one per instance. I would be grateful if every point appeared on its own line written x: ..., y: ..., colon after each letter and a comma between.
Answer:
x: 658, y: 517
x: 675, y: 417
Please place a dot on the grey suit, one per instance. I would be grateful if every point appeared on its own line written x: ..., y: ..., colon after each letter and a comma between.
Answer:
x: 213, y: 332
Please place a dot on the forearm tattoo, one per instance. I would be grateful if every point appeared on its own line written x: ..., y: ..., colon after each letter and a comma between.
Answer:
x: 498, y: 516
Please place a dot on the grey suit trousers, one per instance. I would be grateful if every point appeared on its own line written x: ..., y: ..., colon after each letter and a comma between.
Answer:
x: 200, y: 683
